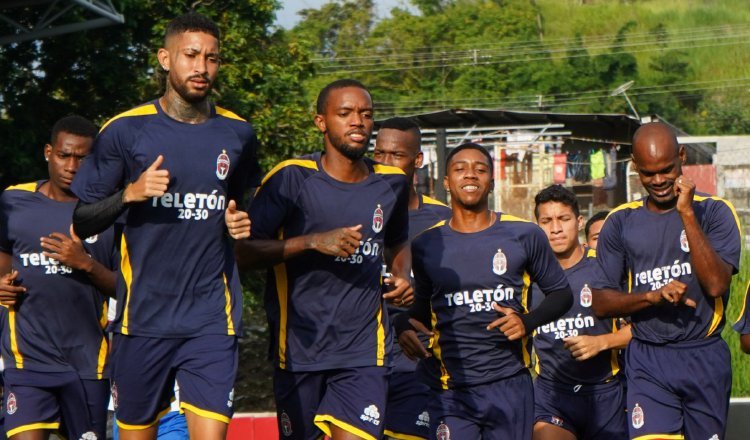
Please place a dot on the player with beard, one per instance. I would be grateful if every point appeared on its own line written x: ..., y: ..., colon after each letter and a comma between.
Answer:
x: 173, y: 166
x: 678, y: 249
x: 467, y: 270
x: 325, y: 222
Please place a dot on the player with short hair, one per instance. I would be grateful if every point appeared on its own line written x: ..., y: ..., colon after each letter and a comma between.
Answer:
x: 678, y: 249
x: 325, y: 222
x: 53, y: 340
x: 467, y: 270
x: 576, y: 356
x: 175, y: 168
x: 593, y: 227
x: 399, y: 144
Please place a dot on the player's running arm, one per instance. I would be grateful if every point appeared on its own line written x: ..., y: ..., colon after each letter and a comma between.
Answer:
x: 69, y: 251
x: 10, y: 289
x: 417, y: 318
x: 93, y: 218
x: 713, y: 273
x: 587, y: 346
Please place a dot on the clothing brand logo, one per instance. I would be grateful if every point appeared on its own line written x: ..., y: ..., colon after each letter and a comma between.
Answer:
x: 684, y: 245
x: 222, y: 165
x: 499, y: 263
x: 286, y: 424
x: 377, y: 220
x: 423, y: 419
x: 443, y: 433
x: 230, y: 400
x: 638, y: 417
x: 557, y: 421
x: 586, y: 296
x: 91, y: 435
x: 12, y: 405
x: 92, y: 239
x: 371, y: 414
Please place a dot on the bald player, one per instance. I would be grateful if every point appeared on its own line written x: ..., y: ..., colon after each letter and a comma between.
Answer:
x: 678, y: 250
x: 399, y: 144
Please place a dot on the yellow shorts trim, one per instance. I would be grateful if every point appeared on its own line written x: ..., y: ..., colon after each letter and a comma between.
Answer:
x: 323, y: 422
x: 204, y: 413
x: 32, y: 427
x: 400, y: 436
x: 123, y: 425
x: 661, y: 437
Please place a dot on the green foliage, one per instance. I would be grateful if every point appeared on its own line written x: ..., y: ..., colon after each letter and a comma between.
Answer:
x: 740, y: 361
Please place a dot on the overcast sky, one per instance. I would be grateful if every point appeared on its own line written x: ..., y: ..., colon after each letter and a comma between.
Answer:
x: 287, y: 16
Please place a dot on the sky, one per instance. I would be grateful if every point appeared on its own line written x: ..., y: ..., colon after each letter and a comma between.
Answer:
x: 287, y: 16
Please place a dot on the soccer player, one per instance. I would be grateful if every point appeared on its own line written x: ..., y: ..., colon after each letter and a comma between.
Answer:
x: 742, y: 325
x: 399, y: 144
x: 678, y: 250
x: 325, y: 222
x: 53, y: 340
x: 593, y: 227
x: 576, y: 393
x: 173, y: 166
x: 467, y: 270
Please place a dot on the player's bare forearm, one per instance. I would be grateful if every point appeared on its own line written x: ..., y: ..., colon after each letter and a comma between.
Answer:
x: 6, y: 263
x: 745, y: 343
x: 609, y: 303
x: 259, y: 254
x: 102, y: 278
x: 713, y: 273
x: 398, y: 260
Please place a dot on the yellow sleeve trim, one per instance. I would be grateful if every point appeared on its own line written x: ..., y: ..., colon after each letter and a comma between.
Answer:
x: 33, y: 426
x: 323, y: 422
x: 661, y: 437
x: 204, y: 413
x: 431, y: 201
x: 304, y: 163
x: 387, y: 169
x: 630, y: 205
x: 228, y: 114
x: 31, y: 187
x: 744, y: 303
x: 400, y: 436
x: 512, y: 218
x: 148, y: 109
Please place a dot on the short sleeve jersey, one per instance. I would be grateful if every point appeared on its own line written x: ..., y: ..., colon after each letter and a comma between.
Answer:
x: 429, y: 213
x: 553, y: 360
x: 742, y: 325
x: 327, y: 312
x: 58, y: 324
x: 177, y: 276
x: 461, y: 275
x: 647, y: 250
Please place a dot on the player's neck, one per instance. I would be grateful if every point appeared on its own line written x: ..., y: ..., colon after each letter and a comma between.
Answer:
x: 571, y: 257
x: 180, y: 110
x: 413, y: 198
x: 465, y: 220
x: 342, y: 168
x: 56, y: 193
x: 660, y: 208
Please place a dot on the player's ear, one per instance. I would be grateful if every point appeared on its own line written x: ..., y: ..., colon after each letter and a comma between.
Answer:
x: 419, y: 160
x: 446, y: 186
x: 580, y: 223
x: 683, y: 155
x: 320, y: 122
x: 47, y: 152
x: 163, y: 57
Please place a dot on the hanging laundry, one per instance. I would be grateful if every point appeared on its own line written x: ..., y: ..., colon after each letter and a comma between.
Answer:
x: 610, y: 168
x: 559, y: 167
x: 597, y: 164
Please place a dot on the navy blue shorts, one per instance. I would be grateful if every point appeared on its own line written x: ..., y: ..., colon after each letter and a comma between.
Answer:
x: 679, y: 389
x: 406, y: 415
x: 498, y: 410
x: 590, y: 412
x: 55, y: 401
x: 309, y: 403
x: 144, y: 371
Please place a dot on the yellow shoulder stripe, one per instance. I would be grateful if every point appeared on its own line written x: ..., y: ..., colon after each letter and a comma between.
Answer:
x: 629, y: 205
x: 148, y: 109
x: 431, y: 201
x: 512, y: 218
x: 30, y: 187
x: 387, y: 169
x: 729, y: 205
x: 744, y: 303
x: 304, y: 163
x: 228, y: 114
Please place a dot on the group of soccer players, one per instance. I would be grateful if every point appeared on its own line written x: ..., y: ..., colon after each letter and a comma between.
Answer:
x: 356, y: 260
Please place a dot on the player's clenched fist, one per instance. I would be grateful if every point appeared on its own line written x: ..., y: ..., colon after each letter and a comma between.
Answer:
x: 153, y: 182
x: 341, y: 242
x: 238, y: 222
x: 673, y: 293
x: 9, y: 289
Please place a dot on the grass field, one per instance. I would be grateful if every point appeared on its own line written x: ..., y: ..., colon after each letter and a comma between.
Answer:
x: 740, y: 361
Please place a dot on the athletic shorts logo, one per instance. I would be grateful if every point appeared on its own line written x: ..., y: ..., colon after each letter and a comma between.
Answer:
x: 91, y: 435
x: 714, y: 437
x: 557, y: 421
x: 423, y: 419
x: 499, y: 263
x: 286, y: 424
x: 92, y: 239
x: 638, y: 417
x: 371, y: 414
x: 377, y: 220
x: 230, y: 400
x: 684, y: 245
x: 222, y: 165
x: 443, y: 433
x: 586, y: 296
x: 12, y: 405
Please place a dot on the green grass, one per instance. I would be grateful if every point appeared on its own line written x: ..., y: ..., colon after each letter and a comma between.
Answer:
x: 740, y: 360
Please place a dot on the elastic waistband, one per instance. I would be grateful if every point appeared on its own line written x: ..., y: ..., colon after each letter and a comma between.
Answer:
x: 578, y: 389
x: 680, y: 345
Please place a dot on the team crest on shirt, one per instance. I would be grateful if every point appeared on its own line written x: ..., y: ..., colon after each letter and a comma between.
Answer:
x: 443, y: 432
x: 684, y: 245
x: 377, y: 220
x: 499, y: 263
x: 286, y: 424
x: 92, y: 239
x: 637, y: 417
x: 222, y: 165
x: 586, y: 296
x: 12, y: 405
